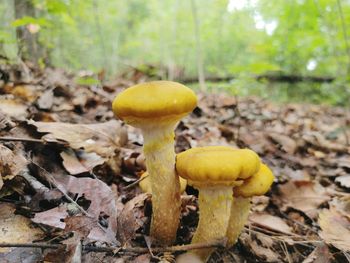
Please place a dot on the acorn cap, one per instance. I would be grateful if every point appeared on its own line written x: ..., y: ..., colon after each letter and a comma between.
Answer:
x: 217, y: 165
x: 161, y: 100
x: 258, y: 184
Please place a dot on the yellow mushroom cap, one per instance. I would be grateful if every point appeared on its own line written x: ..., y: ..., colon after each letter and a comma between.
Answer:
x: 258, y: 184
x: 161, y: 100
x: 146, y: 186
x: 216, y: 165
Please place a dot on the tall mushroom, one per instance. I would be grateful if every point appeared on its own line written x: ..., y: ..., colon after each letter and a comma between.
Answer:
x: 258, y: 184
x: 214, y: 170
x: 145, y: 184
x: 156, y: 107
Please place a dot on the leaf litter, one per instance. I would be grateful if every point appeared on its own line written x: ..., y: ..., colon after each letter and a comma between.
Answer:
x: 68, y: 173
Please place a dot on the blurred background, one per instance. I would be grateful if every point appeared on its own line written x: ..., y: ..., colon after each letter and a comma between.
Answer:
x: 295, y: 50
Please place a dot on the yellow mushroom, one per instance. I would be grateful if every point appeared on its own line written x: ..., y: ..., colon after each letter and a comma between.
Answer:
x: 156, y: 107
x: 214, y: 170
x: 146, y: 186
x: 258, y: 184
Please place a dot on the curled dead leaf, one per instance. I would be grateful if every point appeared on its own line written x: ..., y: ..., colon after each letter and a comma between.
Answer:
x: 11, y: 162
x: 335, y: 229
x: 305, y: 196
x: 129, y: 221
x: 101, y: 138
x: 270, y: 222
x: 15, y: 228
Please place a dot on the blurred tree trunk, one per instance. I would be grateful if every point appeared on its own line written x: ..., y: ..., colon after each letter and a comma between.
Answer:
x: 28, y: 45
x: 200, y: 68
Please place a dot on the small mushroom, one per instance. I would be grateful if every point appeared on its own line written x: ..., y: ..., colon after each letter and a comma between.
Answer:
x: 214, y: 170
x: 258, y: 184
x: 156, y: 107
x: 145, y: 184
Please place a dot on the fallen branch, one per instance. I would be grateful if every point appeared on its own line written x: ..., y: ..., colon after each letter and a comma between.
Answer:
x: 139, y: 250
x: 38, y: 245
x: 17, y: 139
x: 267, y: 77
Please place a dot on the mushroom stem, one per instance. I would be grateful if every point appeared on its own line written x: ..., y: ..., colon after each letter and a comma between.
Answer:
x: 214, y: 212
x: 160, y: 162
x: 239, y: 216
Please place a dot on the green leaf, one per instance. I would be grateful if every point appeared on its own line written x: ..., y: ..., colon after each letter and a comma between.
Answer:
x: 87, y: 81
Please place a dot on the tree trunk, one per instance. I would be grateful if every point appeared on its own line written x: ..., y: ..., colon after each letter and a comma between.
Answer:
x: 28, y: 45
x: 201, y: 76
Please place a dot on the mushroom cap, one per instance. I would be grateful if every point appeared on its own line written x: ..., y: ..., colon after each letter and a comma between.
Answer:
x: 258, y: 184
x: 216, y: 165
x: 145, y: 184
x: 160, y: 100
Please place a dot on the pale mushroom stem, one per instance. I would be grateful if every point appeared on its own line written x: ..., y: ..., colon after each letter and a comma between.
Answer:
x: 160, y: 162
x: 239, y: 217
x: 214, y: 212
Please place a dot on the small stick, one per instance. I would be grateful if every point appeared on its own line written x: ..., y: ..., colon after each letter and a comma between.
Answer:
x: 38, y: 245
x: 18, y: 139
x: 135, y: 183
x: 140, y: 250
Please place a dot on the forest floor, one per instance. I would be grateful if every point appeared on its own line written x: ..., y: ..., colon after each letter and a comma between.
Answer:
x: 69, y: 174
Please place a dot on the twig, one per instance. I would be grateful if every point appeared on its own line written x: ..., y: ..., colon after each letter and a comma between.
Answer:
x: 33, y: 182
x: 140, y: 250
x: 39, y: 245
x: 135, y: 183
x: 18, y: 139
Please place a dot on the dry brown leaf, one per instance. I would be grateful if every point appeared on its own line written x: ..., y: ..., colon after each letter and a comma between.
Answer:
x: 53, y: 217
x: 102, y: 206
x: 70, y: 253
x: 288, y: 145
x: 305, y: 196
x: 344, y: 181
x: 270, y: 222
x: 46, y: 100
x: 263, y: 251
x: 82, y: 163
x: 15, y: 228
x: 335, y: 229
x: 13, y: 108
x: 11, y: 162
x: 101, y: 138
x: 320, y: 254
x: 129, y: 220
x: 342, y: 205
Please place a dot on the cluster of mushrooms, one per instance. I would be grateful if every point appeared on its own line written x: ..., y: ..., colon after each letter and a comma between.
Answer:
x: 226, y: 177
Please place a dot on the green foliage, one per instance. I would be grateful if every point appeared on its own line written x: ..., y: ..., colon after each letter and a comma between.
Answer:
x: 302, y: 37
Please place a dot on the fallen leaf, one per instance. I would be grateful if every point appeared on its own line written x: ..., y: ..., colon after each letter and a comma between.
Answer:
x: 45, y: 101
x: 53, y: 217
x: 70, y: 253
x: 102, y: 207
x: 101, y: 138
x: 15, y: 228
x: 305, y: 196
x: 263, y: 251
x: 82, y: 163
x: 320, y: 254
x: 270, y: 222
x: 11, y: 163
x: 13, y: 108
x: 130, y: 219
x: 288, y: 145
x: 344, y: 181
x: 335, y: 229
